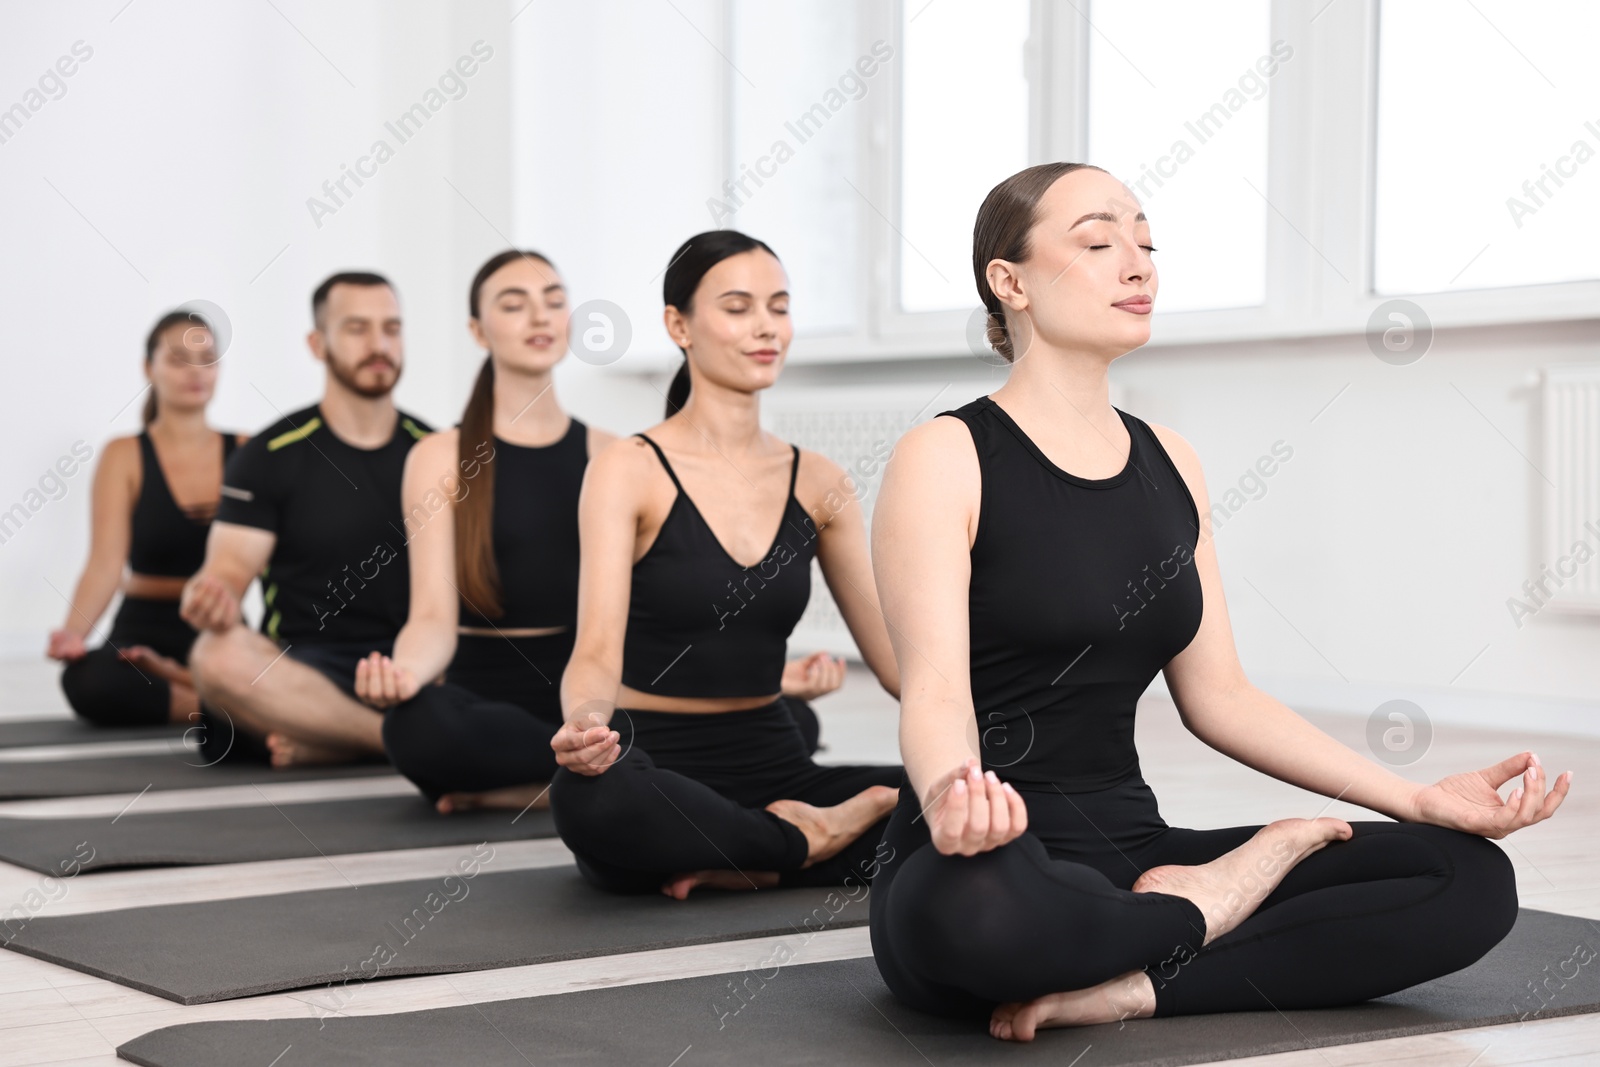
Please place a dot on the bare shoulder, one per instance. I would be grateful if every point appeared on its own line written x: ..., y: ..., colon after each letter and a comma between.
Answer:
x: 598, y: 439
x: 436, y: 449
x: 622, y: 458
x: 121, y: 455
x: 1182, y: 452
x: 939, y: 447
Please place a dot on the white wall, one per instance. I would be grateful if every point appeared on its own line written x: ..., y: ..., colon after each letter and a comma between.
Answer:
x: 1377, y: 564
x: 187, y: 145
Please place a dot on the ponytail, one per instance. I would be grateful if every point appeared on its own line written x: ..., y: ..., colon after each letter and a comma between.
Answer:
x: 477, y: 576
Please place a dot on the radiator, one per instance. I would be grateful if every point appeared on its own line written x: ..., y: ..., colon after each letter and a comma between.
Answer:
x: 1571, y: 403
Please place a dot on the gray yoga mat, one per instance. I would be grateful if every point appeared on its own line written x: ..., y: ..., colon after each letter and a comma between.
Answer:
x: 219, y: 950
x: 15, y: 733
x: 841, y: 1013
x: 181, y: 769
x: 263, y: 832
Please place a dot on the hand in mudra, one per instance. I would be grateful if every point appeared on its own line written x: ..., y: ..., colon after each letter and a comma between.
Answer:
x: 971, y: 811
x: 812, y: 676
x: 382, y: 683
x: 1470, y: 801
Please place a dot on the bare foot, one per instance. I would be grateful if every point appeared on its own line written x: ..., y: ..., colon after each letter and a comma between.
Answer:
x: 292, y: 752
x: 534, y: 796
x: 1229, y: 888
x: 829, y: 830
x: 1128, y: 996
x: 678, y: 888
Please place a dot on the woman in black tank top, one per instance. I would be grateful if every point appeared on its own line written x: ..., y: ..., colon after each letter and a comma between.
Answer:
x: 1029, y: 877
x: 680, y: 765
x: 138, y: 676
x: 492, y: 537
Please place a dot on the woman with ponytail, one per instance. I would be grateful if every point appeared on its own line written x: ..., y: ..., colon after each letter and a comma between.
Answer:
x: 139, y: 675
x: 681, y: 762
x: 491, y: 512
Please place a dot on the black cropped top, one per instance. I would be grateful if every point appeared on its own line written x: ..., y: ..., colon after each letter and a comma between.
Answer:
x: 701, y: 625
x: 535, y: 531
x: 1082, y: 589
x: 167, y: 540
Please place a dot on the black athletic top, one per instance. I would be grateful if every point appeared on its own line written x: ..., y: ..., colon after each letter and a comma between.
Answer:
x: 699, y: 624
x: 168, y: 540
x: 338, y: 571
x: 1082, y: 590
x: 535, y: 532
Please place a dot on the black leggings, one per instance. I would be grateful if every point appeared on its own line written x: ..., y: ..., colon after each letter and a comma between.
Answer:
x: 107, y: 690
x: 1397, y: 904
x: 488, y: 726
x: 689, y: 793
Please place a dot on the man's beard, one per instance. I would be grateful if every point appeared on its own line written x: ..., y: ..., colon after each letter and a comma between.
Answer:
x: 347, y: 377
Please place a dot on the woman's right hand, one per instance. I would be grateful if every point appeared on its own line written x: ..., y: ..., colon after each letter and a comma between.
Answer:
x: 381, y: 683
x: 972, y: 811
x: 586, y: 749
x: 65, y: 646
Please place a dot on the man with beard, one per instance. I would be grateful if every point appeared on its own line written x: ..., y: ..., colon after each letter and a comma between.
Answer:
x: 311, y: 505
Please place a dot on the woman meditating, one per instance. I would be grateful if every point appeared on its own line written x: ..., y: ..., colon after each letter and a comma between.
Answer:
x: 680, y: 764
x: 1040, y: 556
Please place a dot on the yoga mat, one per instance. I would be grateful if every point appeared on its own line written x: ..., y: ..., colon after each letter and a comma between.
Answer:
x: 219, y: 950
x: 841, y: 1013
x: 178, y: 770
x: 59, y: 731
x: 256, y: 832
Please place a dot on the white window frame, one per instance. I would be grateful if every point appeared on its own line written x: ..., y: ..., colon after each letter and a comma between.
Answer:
x: 1320, y: 172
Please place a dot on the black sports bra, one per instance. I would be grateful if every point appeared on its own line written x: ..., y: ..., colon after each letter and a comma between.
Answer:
x: 168, y: 541
x: 1082, y: 589
x: 701, y: 625
x: 535, y: 531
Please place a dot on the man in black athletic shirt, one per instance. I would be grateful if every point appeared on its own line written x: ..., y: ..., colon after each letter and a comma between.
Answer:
x: 311, y: 505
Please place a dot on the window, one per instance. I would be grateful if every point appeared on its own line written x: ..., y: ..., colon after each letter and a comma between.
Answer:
x: 963, y: 130
x: 796, y: 96
x: 1486, y: 167
x: 1180, y: 116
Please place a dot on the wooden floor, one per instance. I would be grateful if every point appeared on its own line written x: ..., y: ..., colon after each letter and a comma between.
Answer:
x: 52, y: 1015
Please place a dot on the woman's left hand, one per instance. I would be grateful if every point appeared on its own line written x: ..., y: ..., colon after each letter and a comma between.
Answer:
x: 1470, y: 801
x: 813, y: 676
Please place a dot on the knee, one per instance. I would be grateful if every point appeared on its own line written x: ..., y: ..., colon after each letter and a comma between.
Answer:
x: 1486, y: 880
x: 219, y: 662
x: 954, y: 914
x: 592, y: 807
x: 93, y: 690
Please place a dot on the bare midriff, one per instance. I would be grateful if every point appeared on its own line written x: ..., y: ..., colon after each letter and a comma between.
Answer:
x: 153, y: 586
x: 628, y: 697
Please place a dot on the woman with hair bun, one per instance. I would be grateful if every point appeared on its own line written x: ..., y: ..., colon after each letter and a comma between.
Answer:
x: 1041, y: 557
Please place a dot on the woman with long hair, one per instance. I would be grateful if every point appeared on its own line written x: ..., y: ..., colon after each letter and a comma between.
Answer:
x: 680, y: 765
x: 1031, y: 877
x: 153, y: 499
x: 491, y: 512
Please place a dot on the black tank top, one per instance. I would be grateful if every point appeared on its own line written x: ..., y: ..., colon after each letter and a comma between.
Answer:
x: 167, y: 540
x: 1082, y: 590
x: 699, y: 624
x: 535, y: 531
